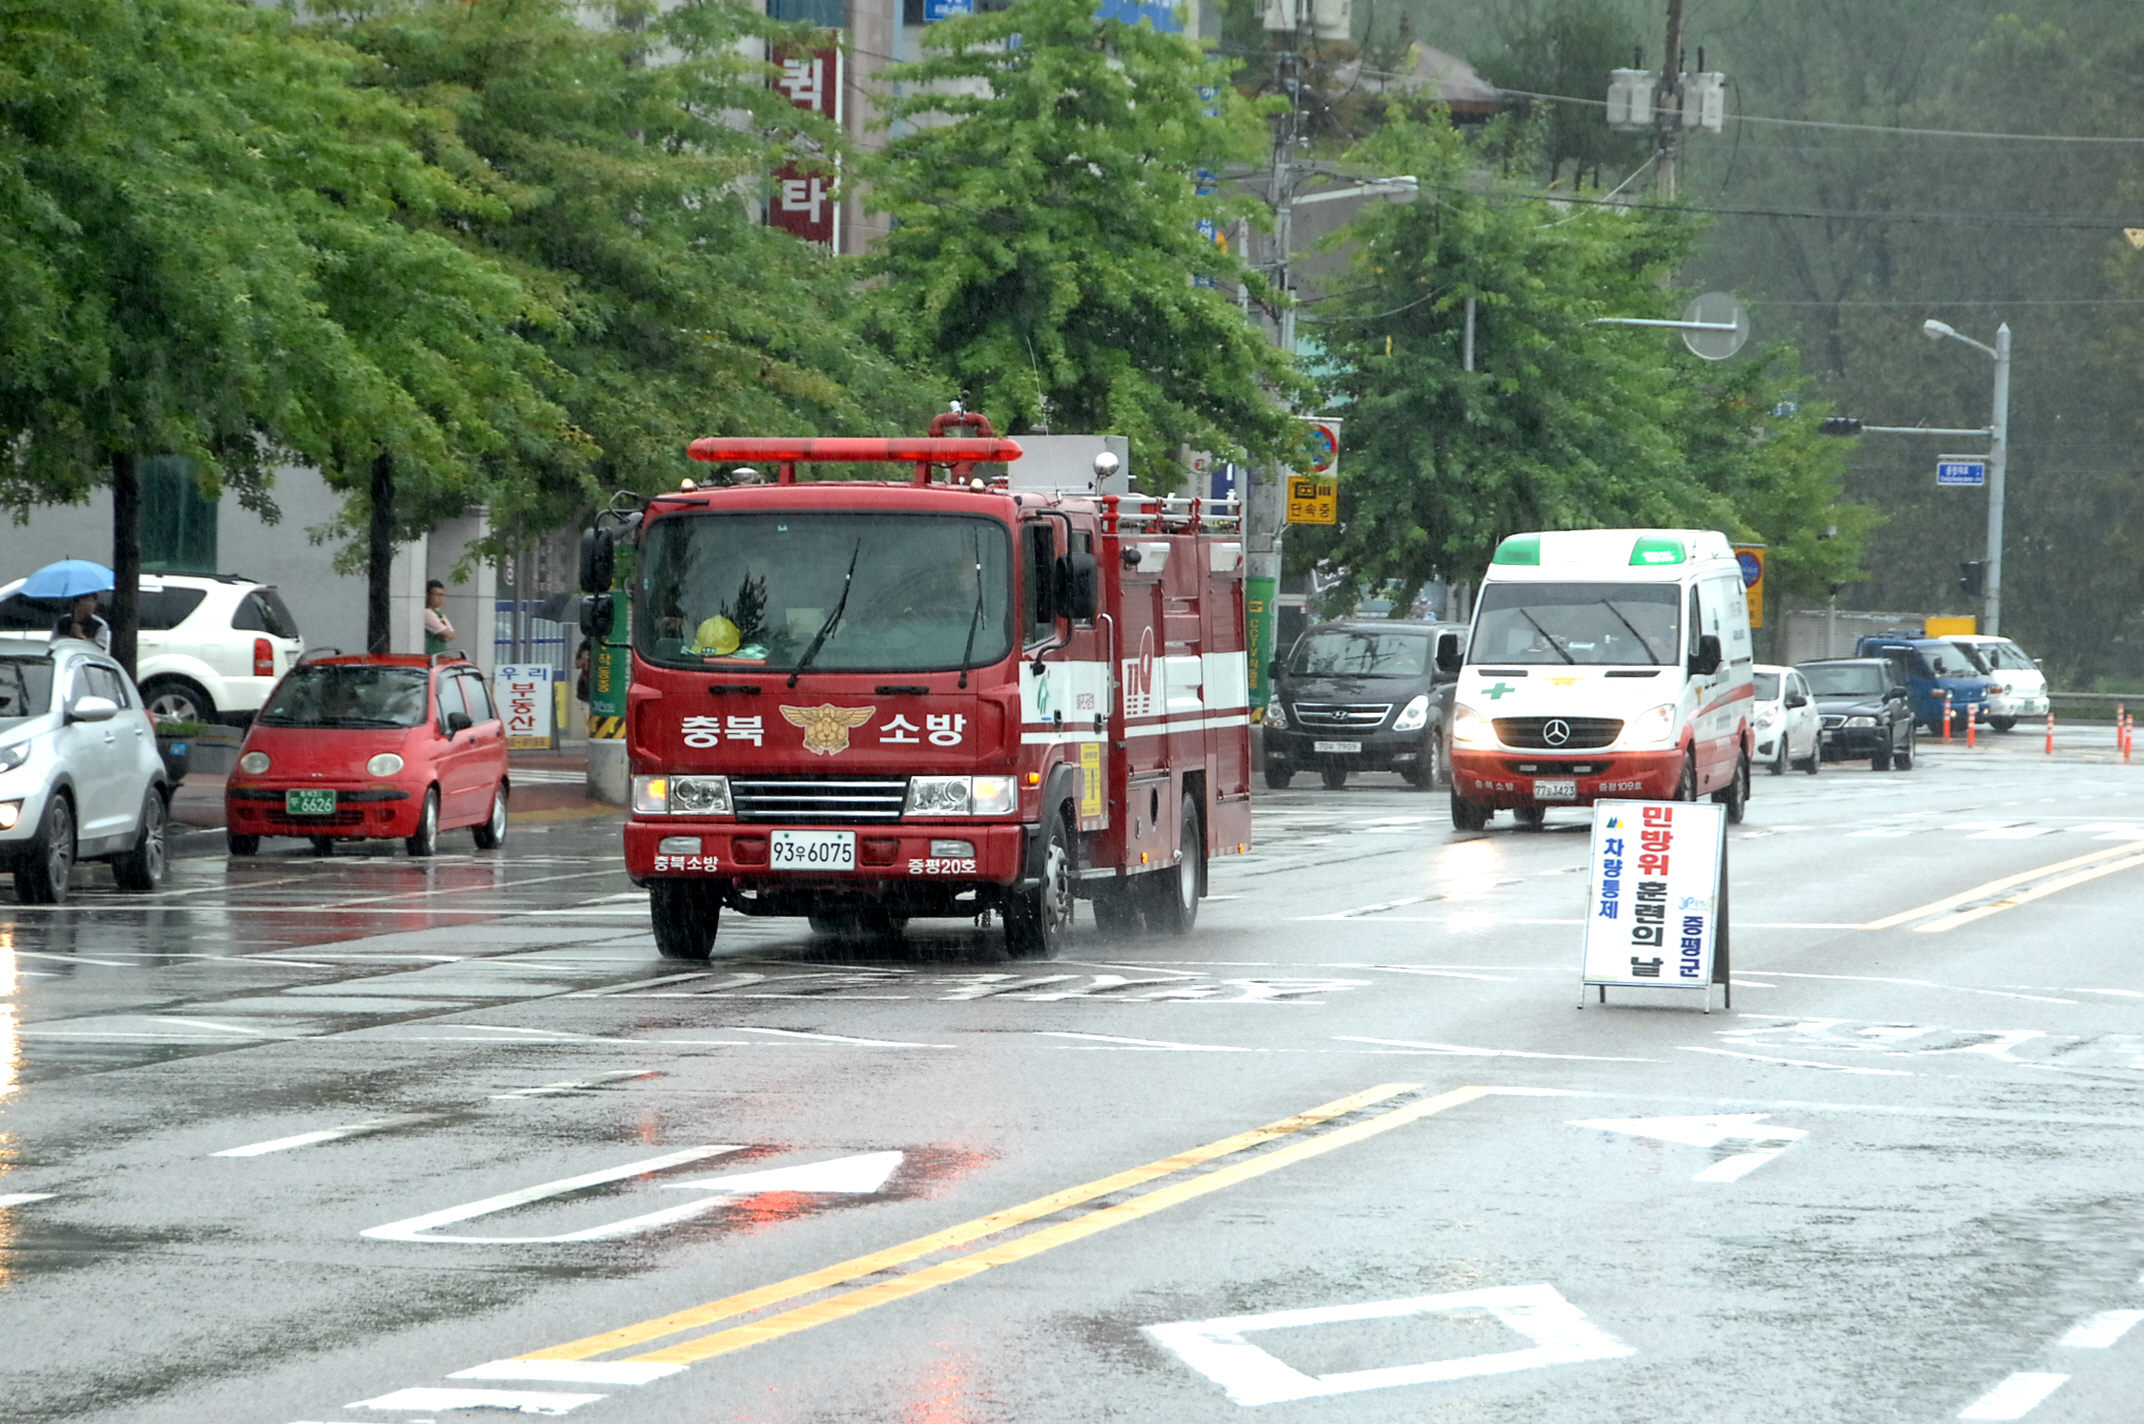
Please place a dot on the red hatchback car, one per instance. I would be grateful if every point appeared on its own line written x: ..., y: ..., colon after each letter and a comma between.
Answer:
x: 372, y: 748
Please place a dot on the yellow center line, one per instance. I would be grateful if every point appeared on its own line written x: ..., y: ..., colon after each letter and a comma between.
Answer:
x: 748, y: 1301
x: 1966, y: 917
x: 1952, y: 902
x: 840, y: 1307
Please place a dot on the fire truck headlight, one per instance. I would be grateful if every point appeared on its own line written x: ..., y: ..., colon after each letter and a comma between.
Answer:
x: 1654, y: 727
x: 700, y: 795
x: 1471, y: 729
x: 1415, y: 714
x: 651, y: 795
x: 995, y: 796
x: 937, y: 796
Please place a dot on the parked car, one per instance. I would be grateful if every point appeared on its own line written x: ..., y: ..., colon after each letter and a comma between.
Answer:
x: 1932, y: 667
x: 1360, y: 695
x: 208, y: 648
x: 1789, y: 732
x: 2019, y: 687
x: 80, y: 778
x: 378, y: 747
x: 1865, y: 709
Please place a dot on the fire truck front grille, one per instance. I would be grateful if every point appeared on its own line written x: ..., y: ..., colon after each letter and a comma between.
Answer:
x: 1558, y: 733
x: 1342, y: 716
x: 841, y: 800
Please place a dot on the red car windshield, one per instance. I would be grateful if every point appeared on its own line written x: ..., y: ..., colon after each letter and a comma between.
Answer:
x: 331, y: 695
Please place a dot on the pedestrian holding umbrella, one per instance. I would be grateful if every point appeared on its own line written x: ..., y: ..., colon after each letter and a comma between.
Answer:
x: 77, y: 581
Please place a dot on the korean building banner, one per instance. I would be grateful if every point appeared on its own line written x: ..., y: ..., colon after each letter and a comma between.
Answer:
x: 804, y: 202
x: 526, y: 705
x: 1657, y: 902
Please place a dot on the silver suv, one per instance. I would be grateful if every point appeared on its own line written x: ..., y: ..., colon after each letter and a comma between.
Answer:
x: 80, y: 778
x: 206, y: 646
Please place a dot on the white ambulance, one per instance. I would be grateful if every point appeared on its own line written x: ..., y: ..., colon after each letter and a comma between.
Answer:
x: 1603, y: 663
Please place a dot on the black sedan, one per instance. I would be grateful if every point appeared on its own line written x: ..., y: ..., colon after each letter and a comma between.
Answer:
x: 1864, y: 709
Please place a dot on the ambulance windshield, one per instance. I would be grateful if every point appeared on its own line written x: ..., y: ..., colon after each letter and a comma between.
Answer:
x: 1627, y: 624
x: 834, y: 592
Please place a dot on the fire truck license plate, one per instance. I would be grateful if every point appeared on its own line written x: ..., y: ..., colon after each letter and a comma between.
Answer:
x: 812, y: 850
x: 1336, y: 746
x: 1555, y: 791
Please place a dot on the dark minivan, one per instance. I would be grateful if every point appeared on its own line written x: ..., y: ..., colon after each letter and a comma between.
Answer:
x: 1360, y: 695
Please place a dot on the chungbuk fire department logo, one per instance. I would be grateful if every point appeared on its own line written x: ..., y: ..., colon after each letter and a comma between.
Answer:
x: 1555, y: 731
x: 826, y: 728
x: 1140, y: 694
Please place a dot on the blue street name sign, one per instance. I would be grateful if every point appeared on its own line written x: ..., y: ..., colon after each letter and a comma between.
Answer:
x: 1970, y: 473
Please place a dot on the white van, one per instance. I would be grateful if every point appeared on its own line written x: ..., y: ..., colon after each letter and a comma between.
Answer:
x: 1603, y: 663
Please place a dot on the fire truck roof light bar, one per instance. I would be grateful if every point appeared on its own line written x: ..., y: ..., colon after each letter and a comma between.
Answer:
x: 946, y: 451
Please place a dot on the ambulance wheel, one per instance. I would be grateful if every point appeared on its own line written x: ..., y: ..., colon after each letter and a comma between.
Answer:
x: 1531, y: 818
x: 1038, y: 920
x: 1334, y: 777
x: 1172, y: 895
x: 1735, y: 795
x: 1469, y: 815
x: 1686, y: 789
x: 1116, y: 909
x: 1278, y: 777
x: 685, y: 914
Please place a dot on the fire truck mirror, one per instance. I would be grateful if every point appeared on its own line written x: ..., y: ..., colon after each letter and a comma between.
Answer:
x: 1079, y: 586
x: 1449, y: 653
x: 596, y: 616
x: 597, y: 560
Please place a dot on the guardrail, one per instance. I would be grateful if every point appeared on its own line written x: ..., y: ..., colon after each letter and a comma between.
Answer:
x: 2093, y: 706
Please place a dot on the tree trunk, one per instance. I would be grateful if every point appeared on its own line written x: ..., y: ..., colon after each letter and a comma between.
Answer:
x: 380, y: 557
x: 126, y: 557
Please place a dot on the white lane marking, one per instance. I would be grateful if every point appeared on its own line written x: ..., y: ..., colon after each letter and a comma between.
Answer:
x: 25, y: 1198
x: 2097, y: 1332
x: 542, y: 1090
x: 632, y: 985
x: 2015, y: 1397
x: 1804, y: 1063
x: 73, y: 959
x: 2013, y: 833
x: 513, y: 1401
x: 1698, y: 1131
x: 1981, y: 825
x: 1361, y: 910
x: 1144, y: 1042
x: 1443, y: 973
x: 1216, y: 1348
x: 570, y: 1371
x: 1915, y: 984
x: 1733, y: 1169
x: 1887, y: 834
x: 1456, y: 1050
x: 329, y: 1134
x: 420, y: 1228
x: 860, y: 1175
x: 205, y: 1023
x: 832, y: 1037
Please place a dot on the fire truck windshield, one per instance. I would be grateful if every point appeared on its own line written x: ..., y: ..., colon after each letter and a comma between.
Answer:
x: 927, y: 593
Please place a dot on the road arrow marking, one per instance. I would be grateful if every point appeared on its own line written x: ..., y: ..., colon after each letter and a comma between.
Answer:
x: 861, y: 1175
x: 1708, y: 1132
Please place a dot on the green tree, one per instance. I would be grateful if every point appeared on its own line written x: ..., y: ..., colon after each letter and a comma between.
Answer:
x: 1045, y: 254
x: 1563, y: 423
x: 1568, y: 47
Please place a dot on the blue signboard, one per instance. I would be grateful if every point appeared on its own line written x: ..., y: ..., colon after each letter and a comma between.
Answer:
x: 1963, y: 473
x: 936, y: 10
x: 1162, y: 16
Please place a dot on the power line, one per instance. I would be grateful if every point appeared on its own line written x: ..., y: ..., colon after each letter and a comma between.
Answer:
x: 2052, y: 222
x: 1856, y: 128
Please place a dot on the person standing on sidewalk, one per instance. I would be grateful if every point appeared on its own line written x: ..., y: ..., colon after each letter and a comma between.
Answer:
x: 438, y: 632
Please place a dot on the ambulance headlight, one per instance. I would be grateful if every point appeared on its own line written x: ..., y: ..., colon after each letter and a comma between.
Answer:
x: 1652, y: 728
x: 1471, y: 729
x: 1414, y: 715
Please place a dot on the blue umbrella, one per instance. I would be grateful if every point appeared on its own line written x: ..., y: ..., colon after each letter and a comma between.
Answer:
x: 69, y: 578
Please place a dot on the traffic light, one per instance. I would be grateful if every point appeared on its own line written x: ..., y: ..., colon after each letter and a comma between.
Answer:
x: 1839, y: 425
x: 1972, y: 578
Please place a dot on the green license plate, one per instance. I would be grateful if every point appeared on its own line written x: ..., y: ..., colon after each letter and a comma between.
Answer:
x: 309, y: 803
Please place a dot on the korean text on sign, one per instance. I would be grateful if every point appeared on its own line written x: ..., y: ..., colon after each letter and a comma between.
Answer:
x: 1654, y: 892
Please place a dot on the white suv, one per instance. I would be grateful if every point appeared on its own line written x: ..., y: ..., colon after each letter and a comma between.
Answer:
x: 206, y: 646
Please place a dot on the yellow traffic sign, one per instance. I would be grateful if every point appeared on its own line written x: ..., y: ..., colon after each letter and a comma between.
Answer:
x: 1313, y: 501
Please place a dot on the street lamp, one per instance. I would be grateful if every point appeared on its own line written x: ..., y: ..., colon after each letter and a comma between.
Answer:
x: 1998, y: 450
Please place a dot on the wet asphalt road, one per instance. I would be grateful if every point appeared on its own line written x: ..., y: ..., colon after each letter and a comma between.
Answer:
x: 339, y: 1140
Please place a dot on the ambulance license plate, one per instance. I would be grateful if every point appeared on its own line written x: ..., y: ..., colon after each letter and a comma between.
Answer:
x: 812, y: 850
x: 309, y: 802
x: 1336, y: 746
x: 1555, y: 791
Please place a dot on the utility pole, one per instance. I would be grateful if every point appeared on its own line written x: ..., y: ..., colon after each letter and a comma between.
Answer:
x: 1998, y: 456
x: 1667, y: 108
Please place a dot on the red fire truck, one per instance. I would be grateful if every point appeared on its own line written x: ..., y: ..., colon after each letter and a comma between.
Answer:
x: 934, y: 695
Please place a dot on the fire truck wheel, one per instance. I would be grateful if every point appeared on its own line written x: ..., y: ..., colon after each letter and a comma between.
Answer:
x: 1172, y: 901
x: 1037, y: 920
x: 685, y: 913
x: 1278, y: 777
